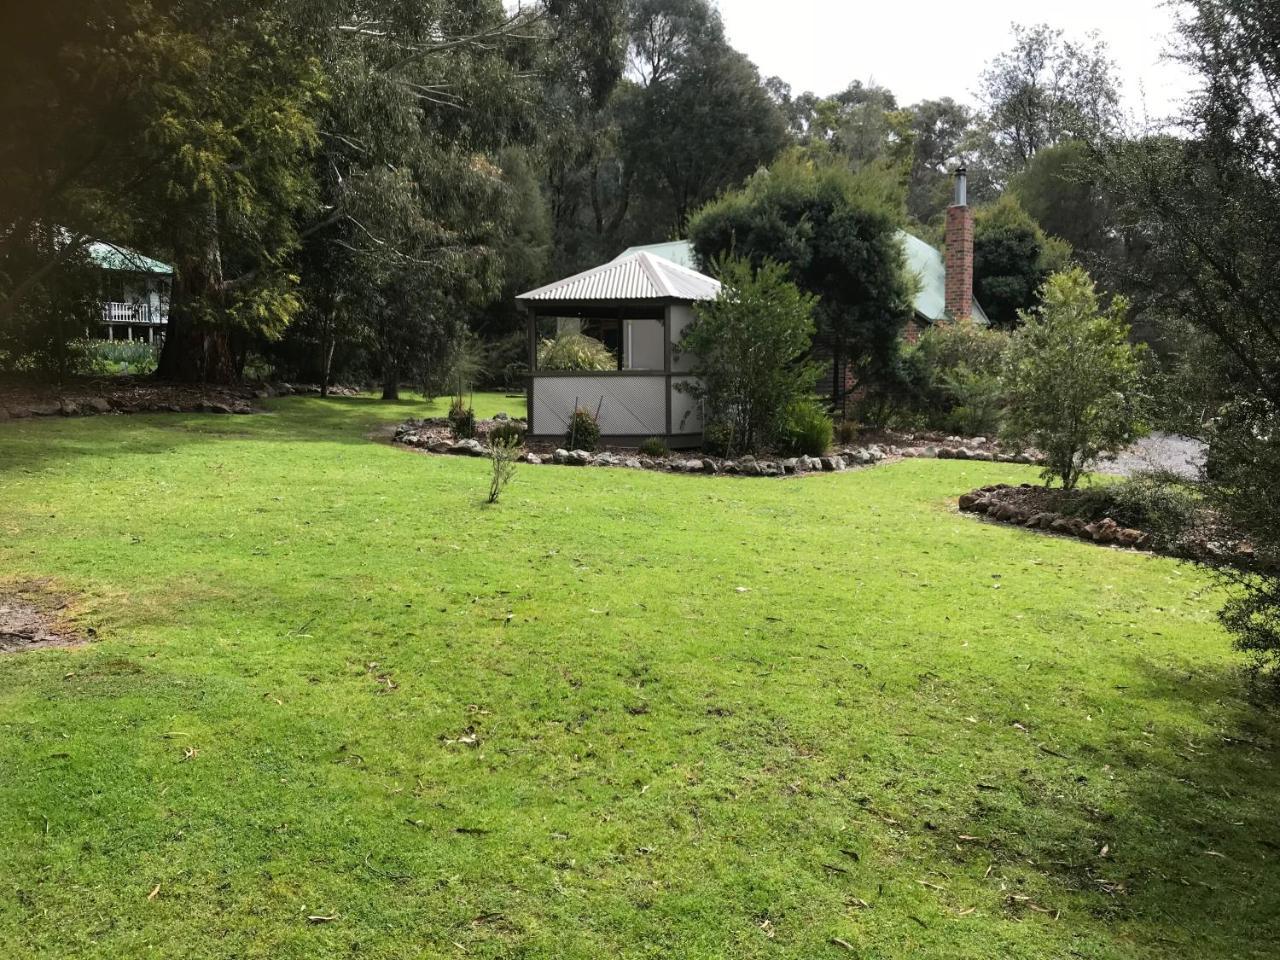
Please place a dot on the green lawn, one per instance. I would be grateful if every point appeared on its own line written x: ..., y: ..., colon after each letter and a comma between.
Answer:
x: 620, y: 714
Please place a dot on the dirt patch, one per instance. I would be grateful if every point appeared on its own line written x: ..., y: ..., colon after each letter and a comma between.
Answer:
x: 30, y: 619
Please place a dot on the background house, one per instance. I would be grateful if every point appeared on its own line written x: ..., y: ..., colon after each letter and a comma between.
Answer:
x: 135, y: 293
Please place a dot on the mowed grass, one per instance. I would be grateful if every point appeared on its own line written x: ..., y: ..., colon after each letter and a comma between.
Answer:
x: 337, y: 707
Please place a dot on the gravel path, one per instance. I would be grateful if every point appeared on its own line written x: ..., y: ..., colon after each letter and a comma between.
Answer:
x: 1159, y: 451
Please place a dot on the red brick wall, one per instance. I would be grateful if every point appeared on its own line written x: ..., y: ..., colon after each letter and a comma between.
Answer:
x: 959, y: 260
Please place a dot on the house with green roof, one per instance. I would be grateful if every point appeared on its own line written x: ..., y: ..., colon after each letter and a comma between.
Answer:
x: 135, y: 293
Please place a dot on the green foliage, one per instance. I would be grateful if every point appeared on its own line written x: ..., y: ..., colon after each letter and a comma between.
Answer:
x: 575, y: 351
x: 583, y: 432
x: 835, y: 232
x: 750, y: 350
x: 1012, y: 257
x: 1045, y: 90
x: 503, y: 452
x: 955, y: 370
x: 1073, y: 378
x: 1204, y: 208
x: 720, y: 438
x: 654, y: 447
x: 1156, y: 502
x: 119, y: 357
x: 511, y: 432
x: 977, y: 401
x: 462, y: 420
x: 806, y: 429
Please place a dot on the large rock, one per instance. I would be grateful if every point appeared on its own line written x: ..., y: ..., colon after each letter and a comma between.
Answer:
x: 1129, y: 537
x: 969, y: 502
x: 791, y: 465
x: 561, y: 456
x: 1104, y: 531
x: 532, y: 458
x: 96, y: 405
x: 579, y: 458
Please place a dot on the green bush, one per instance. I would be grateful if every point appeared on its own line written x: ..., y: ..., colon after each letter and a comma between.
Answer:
x: 1073, y: 378
x: 510, y: 432
x: 806, y: 429
x: 118, y: 357
x: 654, y: 447
x: 978, y: 399
x: 750, y: 348
x: 718, y: 439
x: 575, y: 351
x: 462, y: 421
x: 583, y: 432
x: 954, y: 372
x: 1155, y: 502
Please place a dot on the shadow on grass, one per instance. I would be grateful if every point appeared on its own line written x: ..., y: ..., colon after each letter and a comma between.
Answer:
x: 1166, y: 826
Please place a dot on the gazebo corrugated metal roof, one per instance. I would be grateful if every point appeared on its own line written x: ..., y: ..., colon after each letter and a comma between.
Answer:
x: 636, y: 277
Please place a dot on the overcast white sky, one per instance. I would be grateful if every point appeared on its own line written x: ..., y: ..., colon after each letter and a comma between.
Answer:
x: 933, y: 48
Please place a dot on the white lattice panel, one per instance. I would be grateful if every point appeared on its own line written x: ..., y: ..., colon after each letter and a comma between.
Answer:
x: 628, y: 406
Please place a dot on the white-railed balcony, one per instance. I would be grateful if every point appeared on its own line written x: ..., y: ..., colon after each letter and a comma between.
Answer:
x: 145, y: 314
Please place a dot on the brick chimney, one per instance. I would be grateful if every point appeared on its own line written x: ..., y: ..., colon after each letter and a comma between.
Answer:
x: 959, y: 251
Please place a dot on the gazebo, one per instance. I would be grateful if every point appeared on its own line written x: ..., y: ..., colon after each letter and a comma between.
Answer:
x: 638, y: 306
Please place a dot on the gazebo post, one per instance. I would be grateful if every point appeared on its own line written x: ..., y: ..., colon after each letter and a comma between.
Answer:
x: 666, y: 359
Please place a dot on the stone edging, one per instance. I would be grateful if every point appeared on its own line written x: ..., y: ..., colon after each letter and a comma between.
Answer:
x: 431, y: 436
x: 987, y: 501
x: 161, y: 398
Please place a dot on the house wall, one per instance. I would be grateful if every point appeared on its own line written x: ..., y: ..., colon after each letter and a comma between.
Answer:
x: 681, y: 316
x: 643, y: 349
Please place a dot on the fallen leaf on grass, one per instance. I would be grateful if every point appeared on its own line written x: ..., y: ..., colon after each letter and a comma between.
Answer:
x: 155, y: 892
x: 321, y: 918
x: 843, y: 944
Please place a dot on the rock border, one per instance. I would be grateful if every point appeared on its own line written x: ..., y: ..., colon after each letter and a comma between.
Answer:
x: 167, y: 398
x: 991, y: 503
x: 432, y: 436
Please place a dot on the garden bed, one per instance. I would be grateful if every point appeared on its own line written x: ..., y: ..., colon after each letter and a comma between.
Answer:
x: 1087, y: 515
x: 436, y: 436
x: 125, y: 394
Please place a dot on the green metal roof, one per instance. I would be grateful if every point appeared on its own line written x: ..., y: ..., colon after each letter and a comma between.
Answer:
x: 922, y: 259
x: 111, y: 256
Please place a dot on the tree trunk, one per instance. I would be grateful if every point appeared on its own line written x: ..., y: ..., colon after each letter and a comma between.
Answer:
x: 390, y: 379
x: 197, y: 350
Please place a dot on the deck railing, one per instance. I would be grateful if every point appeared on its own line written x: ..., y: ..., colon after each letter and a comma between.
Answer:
x: 134, y: 313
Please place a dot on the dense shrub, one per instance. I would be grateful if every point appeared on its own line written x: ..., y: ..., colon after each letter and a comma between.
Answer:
x: 806, y: 429
x: 750, y: 348
x: 462, y: 420
x: 654, y: 447
x: 1073, y: 378
x: 955, y: 373
x: 583, y: 432
x: 575, y: 351
x: 719, y: 439
x: 510, y: 432
x: 1156, y: 502
x: 978, y: 401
